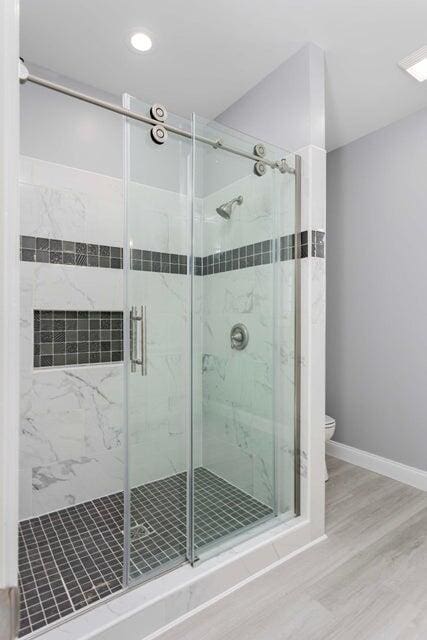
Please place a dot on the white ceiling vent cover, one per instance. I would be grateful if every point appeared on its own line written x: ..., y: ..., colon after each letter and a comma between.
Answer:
x: 416, y: 64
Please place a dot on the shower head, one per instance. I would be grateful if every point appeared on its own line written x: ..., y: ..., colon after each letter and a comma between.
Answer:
x: 225, y: 210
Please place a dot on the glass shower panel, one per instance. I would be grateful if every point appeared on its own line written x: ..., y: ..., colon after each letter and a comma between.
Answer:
x: 157, y: 306
x: 243, y: 347
x: 287, y: 343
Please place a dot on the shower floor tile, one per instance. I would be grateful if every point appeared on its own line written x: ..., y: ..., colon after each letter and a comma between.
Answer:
x: 71, y: 558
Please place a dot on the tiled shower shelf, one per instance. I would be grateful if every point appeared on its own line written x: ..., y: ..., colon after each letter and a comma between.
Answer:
x: 74, y: 557
x: 63, y: 338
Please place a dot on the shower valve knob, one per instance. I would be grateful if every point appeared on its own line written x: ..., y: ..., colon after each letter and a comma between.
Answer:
x: 159, y: 134
x: 158, y: 112
x: 239, y: 336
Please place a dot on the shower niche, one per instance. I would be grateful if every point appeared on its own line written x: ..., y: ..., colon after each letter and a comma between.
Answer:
x: 158, y: 368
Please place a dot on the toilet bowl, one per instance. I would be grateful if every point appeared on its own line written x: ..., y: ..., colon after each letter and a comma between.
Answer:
x: 329, y: 432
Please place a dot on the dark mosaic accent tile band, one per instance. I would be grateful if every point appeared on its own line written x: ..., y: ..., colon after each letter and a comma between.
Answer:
x: 80, y: 254
x: 312, y: 244
x: 250, y: 255
x: 142, y: 260
x: 63, y: 338
x: 72, y: 558
x: 259, y: 253
x: 318, y: 244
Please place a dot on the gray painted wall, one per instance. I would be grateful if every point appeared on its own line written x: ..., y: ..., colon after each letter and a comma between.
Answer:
x: 287, y: 108
x: 60, y: 129
x: 376, y: 350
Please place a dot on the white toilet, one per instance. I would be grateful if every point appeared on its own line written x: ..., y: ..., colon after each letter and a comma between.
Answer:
x: 329, y: 432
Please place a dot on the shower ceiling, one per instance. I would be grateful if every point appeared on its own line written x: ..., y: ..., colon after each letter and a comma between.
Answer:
x: 206, y: 55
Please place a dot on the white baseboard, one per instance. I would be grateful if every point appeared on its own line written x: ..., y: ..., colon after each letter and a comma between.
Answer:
x: 401, y: 472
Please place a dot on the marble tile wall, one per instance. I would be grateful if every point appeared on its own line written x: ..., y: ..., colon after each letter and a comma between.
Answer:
x: 240, y: 387
x: 157, y: 409
x: 72, y: 417
x: 235, y: 396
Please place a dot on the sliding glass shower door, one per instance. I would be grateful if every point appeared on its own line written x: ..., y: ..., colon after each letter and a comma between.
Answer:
x: 209, y: 309
x: 158, y: 308
x: 243, y: 394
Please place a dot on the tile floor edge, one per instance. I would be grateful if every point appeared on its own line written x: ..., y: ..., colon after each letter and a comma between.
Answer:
x: 120, y: 608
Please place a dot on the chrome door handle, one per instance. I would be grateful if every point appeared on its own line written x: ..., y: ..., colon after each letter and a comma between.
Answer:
x: 135, y: 358
x: 143, y: 341
x: 133, y: 338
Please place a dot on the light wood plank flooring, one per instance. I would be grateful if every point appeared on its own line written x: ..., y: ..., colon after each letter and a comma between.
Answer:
x: 367, y: 581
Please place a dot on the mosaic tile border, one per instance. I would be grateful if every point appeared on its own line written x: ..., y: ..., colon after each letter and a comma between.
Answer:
x: 264, y: 252
x: 81, y: 254
x: 249, y: 255
x: 78, y: 254
x: 158, y: 262
x: 318, y: 244
x: 64, y: 338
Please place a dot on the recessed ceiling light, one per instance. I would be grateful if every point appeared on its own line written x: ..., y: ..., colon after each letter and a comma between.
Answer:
x: 416, y: 64
x: 141, y: 42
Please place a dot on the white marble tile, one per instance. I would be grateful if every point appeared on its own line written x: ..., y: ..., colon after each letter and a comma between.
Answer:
x: 48, y: 436
x: 312, y: 344
x: 313, y: 188
x: 254, y: 220
x: 66, y: 203
x: 157, y: 457
x: 60, y: 176
x: 25, y: 492
x: 318, y: 189
x: 51, y: 213
x: 68, y: 415
x: 145, y: 622
x: 71, y: 288
x: 26, y: 327
x: 72, y: 418
x: 159, y: 220
x: 71, y: 481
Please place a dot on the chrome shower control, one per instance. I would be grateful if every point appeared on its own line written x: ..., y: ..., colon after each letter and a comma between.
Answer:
x: 239, y: 336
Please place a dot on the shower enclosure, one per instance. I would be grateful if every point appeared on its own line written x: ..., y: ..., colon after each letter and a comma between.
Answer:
x: 176, y: 349
x: 211, y: 422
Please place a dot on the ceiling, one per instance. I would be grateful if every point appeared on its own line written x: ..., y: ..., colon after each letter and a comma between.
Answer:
x: 207, y: 54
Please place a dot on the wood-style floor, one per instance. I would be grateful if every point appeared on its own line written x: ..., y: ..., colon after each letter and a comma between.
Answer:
x: 367, y: 581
